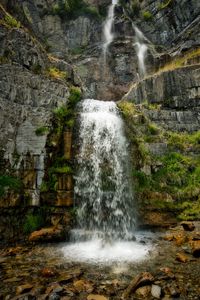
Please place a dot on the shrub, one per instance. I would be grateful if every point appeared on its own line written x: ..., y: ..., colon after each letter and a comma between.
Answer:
x: 33, y: 222
x: 75, y: 96
x: 42, y: 130
x: 9, y: 183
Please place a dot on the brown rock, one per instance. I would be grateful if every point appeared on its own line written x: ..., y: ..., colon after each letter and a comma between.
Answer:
x: 96, y: 297
x: 143, y: 291
x: 188, y: 226
x: 142, y: 279
x: 23, y: 288
x: 48, y: 272
x: 167, y: 272
x: 83, y: 286
x: 13, y: 251
x: 181, y: 257
x: 195, y: 245
x: 47, y: 234
x: 173, y: 290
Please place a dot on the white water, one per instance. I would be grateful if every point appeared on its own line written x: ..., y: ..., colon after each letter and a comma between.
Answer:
x: 106, y: 210
x: 107, y: 30
x: 93, y: 251
x: 141, y: 50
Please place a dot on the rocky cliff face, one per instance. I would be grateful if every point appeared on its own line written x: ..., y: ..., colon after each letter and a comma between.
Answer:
x: 46, y: 50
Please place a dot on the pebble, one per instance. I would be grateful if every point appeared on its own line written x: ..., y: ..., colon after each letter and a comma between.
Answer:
x: 156, y: 291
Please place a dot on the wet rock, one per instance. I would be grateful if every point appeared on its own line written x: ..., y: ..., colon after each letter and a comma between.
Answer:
x: 142, y: 279
x: 181, y: 257
x: 54, y: 288
x: 13, y: 251
x: 188, y: 226
x: 50, y: 234
x: 96, y: 297
x: 48, y: 272
x: 178, y: 238
x: 83, y: 286
x: 167, y: 272
x: 195, y: 245
x: 54, y: 296
x: 156, y: 291
x: 143, y: 291
x: 23, y: 288
x: 69, y: 276
x: 174, y: 291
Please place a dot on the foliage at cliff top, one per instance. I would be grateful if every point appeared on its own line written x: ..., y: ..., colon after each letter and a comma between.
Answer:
x: 74, y: 8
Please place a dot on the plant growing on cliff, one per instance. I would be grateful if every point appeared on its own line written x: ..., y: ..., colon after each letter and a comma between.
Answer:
x: 56, y: 73
x: 33, y: 222
x: 42, y: 130
x: 11, y: 21
x: 74, y: 8
x: 147, y: 16
x: 9, y: 183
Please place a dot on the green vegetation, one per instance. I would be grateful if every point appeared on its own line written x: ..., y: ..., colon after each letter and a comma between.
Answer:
x: 11, y: 22
x: 56, y: 73
x: 63, y: 118
x: 9, y: 183
x: 165, y: 4
x: 180, y: 61
x: 74, y: 8
x: 33, y: 222
x: 42, y: 130
x: 175, y: 173
x: 147, y: 15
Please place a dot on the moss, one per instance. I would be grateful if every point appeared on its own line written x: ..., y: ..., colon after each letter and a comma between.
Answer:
x: 147, y: 16
x: 153, y: 129
x: 56, y: 73
x: 180, y: 61
x: 62, y: 170
x: 127, y: 108
x: 42, y: 130
x: 11, y: 21
x: 165, y: 4
x: 190, y: 210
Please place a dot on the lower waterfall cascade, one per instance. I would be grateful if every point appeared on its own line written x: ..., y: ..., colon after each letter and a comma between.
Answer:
x: 103, y: 191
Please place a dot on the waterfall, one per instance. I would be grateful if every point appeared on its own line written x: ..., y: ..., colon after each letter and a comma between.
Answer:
x: 103, y: 188
x: 141, y: 50
x: 107, y: 30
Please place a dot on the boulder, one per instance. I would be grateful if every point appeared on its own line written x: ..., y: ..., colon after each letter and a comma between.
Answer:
x: 181, y: 257
x: 195, y: 245
x: 23, y: 288
x: 145, y: 278
x: 188, y: 226
x: 50, y: 234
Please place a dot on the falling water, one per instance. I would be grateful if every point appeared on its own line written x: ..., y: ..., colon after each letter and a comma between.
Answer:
x: 103, y: 192
x: 102, y: 182
x: 107, y: 30
x: 141, y: 50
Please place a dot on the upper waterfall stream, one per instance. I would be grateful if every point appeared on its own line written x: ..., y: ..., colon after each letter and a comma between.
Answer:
x: 103, y: 191
x: 107, y: 30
